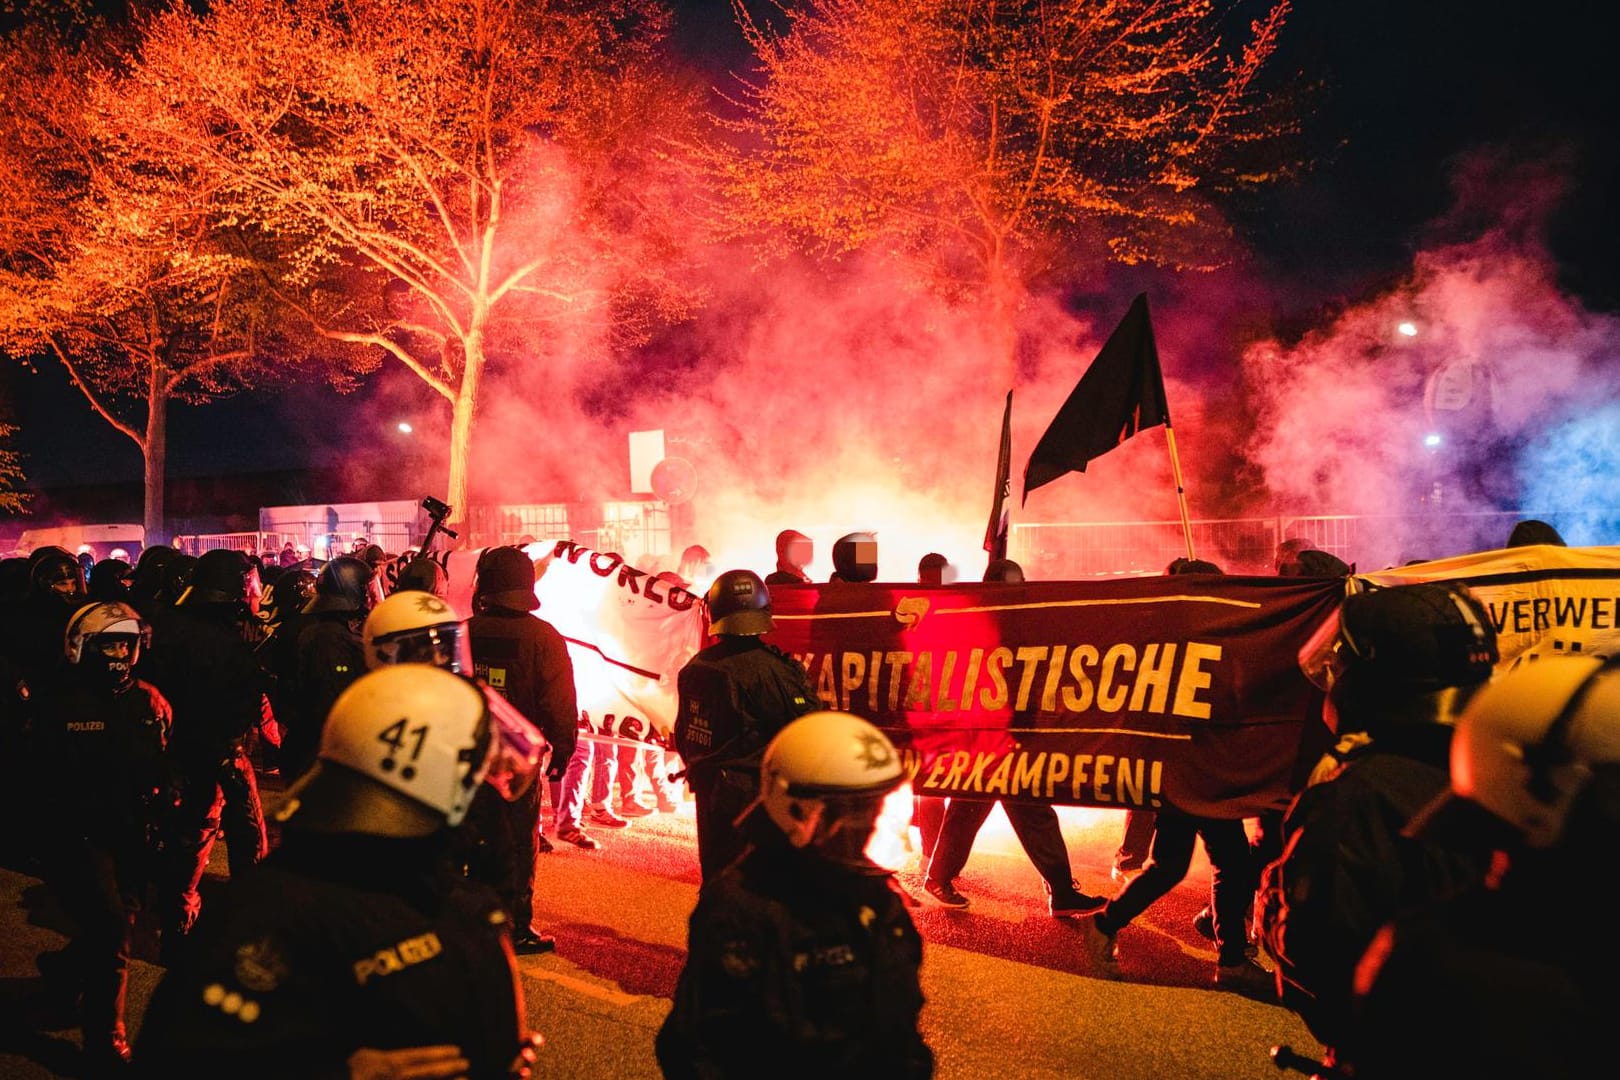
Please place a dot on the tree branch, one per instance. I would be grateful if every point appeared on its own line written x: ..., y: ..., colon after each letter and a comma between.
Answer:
x: 95, y: 403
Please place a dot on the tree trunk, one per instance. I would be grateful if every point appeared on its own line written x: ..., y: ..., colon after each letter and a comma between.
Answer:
x: 461, y: 421
x: 154, y: 455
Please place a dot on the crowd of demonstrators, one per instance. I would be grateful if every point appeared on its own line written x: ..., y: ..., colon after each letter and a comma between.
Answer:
x: 1386, y: 883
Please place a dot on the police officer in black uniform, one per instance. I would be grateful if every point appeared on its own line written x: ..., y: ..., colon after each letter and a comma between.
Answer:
x: 203, y: 664
x: 327, y: 657
x: 802, y: 960
x: 1513, y: 976
x: 1398, y: 664
x: 357, y: 948
x: 734, y: 696
x: 524, y: 658
x: 103, y: 736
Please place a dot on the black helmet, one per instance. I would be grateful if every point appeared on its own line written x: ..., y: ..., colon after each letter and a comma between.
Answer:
x: 177, y: 571
x: 423, y: 575
x: 1185, y: 565
x: 56, y: 571
x: 855, y: 557
x: 505, y: 578
x: 147, y: 581
x: 342, y: 585
x: 109, y: 580
x: 220, y: 576
x: 739, y: 605
x: 1401, y: 642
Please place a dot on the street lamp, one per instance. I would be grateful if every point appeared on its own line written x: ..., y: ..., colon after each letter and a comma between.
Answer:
x: 405, y: 428
x: 1407, y: 329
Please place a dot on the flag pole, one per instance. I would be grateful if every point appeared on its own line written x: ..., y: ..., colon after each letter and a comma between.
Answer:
x: 1181, y: 490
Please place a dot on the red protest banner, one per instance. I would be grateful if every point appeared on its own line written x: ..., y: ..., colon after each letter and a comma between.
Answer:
x: 1133, y: 693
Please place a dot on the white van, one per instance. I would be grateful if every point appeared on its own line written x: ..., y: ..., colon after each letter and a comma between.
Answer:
x: 102, y: 540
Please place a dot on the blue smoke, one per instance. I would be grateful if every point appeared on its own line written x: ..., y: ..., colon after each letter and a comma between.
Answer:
x: 1571, y: 474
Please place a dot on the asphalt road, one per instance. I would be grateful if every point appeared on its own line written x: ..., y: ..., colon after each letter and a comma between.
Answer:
x: 1009, y: 993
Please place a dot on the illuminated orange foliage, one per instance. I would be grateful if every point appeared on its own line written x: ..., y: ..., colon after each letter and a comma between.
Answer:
x: 985, y: 140
x: 449, y: 176
x: 124, y: 274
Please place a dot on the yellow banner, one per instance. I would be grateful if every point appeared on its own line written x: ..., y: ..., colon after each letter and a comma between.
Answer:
x: 1544, y: 600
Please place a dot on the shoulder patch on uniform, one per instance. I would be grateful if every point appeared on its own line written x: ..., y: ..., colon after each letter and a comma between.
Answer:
x: 738, y: 959
x: 259, y: 966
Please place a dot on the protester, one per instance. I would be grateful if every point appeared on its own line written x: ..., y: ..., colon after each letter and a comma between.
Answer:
x: 1137, y: 837
x: 103, y: 737
x: 1035, y: 824
x: 734, y: 696
x: 523, y: 658
x: 1397, y: 665
x: 202, y: 664
x: 794, y: 553
x: 1530, y: 531
x: 696, y: 567
x: 932, y: 569
x: 1513, y: 976
x: 802, y: 961
x: 855, y: 558
x: 358, y: 949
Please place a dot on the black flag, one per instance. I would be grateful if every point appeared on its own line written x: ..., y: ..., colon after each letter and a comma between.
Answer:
x: 995, y: 534
x: 1121, y: 393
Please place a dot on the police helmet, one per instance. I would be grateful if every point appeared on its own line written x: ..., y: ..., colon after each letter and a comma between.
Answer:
x: 96, y: 624
x: 1530, y: 743
x: 344, y: 584
x: 823, y: 780
x: 415, y: 627
x: 739, y: 604
x: 403, y: 751
x: 221, y: 576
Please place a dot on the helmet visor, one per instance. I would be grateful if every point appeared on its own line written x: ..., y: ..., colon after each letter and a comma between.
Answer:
x: 446, y: 646
x: 1326, y: 654
x: 515, y: 755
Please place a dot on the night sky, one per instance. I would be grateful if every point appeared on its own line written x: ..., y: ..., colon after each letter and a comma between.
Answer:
x: 1408, y: 88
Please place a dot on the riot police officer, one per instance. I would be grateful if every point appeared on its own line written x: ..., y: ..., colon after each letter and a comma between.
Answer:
x: 1513, y: 976
x: 357, y: 949
x: 802, y: 960
x: 735, y: 696
x: 525, y: 659
x: 327, y: 656
x: 103, y: 736
x: 1397, y: 665
x: 202, y: 662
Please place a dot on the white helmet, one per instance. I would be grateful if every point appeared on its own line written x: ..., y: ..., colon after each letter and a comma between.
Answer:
x: 1526, y: 743
x: 96, y: 625
x: 823, y: 779
x: 416, y: 627
x: 404, y: 749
